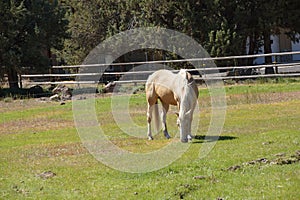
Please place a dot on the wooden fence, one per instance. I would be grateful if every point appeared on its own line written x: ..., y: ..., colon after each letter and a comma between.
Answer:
x: 281, y: 69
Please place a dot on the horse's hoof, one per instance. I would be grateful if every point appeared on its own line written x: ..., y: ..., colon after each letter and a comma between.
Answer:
x: 167, y: 136
x: 184, y: 140
x: 150, y: 138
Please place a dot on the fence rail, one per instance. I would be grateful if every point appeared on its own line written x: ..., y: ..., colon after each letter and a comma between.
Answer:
x: 202, y: 70
x: 286, y: 65
x: 178, y: 61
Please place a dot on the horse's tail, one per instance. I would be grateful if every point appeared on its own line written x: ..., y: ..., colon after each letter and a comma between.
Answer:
x: 156, y: 119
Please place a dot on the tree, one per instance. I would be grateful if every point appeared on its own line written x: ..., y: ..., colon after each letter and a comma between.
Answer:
x: 223, y: 27
x: 10, y: 50
x: 94, y: 21
x: 288, y: 18
x: 224, y: 42
x: 268, y: 25
x: 29, y: 29
x: 259, y: 19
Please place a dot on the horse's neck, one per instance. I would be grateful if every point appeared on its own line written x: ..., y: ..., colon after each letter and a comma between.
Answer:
x: 185, y: 99
x: 178, y: 86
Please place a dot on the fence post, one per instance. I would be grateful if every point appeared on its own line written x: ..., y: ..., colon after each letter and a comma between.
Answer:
x: 20, y: 81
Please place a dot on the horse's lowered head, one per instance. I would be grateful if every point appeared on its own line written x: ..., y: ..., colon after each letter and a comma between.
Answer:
x: 184, y: 123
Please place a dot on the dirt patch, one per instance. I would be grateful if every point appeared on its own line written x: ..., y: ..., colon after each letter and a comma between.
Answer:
x: 184, y: 189
x: 262, y: 97
x: 14, y: 105
x: 46, y: 175
x: 49, y: 151
x: 35, y: 125
x: 280, y: 159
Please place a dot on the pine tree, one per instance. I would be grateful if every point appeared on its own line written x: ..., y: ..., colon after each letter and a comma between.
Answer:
x: 29, y: 29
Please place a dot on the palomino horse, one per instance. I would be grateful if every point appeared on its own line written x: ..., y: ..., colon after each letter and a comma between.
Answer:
x: 172, y: 89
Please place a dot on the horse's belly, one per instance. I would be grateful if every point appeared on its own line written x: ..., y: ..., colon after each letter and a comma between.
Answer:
x: 166, y: 96
x: 169, y: 100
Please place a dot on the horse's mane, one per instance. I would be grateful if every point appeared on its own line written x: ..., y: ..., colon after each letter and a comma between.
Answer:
x: 186, y: 75
x: 189, y: 92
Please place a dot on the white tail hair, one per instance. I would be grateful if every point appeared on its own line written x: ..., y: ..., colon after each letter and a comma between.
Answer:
x: 156, y: 119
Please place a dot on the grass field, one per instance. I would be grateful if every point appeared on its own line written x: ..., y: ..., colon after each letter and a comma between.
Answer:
x: 257, y: 155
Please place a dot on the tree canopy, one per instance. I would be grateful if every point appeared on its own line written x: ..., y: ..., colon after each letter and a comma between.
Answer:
x: 29, y: 28
x: 223, y: 27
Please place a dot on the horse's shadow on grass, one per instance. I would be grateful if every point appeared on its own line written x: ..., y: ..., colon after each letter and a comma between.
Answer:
x: 211, y: 138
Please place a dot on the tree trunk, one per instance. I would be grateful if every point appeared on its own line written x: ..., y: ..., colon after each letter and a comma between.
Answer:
x: 251, y: 48
x: 12, y: 79
x: 268, y: 49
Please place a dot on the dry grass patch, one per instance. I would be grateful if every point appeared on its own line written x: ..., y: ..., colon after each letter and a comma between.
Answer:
x: 35, y: 125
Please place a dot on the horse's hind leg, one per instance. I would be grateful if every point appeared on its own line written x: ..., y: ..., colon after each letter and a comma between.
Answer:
x: 164, y: 119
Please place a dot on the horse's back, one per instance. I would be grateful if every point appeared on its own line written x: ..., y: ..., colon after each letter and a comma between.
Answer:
x: 167, y: 86
x: 161, y: 76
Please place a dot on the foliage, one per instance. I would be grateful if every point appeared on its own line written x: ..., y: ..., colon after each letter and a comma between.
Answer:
x: 92, y: 22
x: 289, y: 18
x: 29, y: 30
x: 223, y: 27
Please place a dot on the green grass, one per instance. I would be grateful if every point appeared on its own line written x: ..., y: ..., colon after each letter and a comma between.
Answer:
x: 262, y: 121
x: 251, y: 88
